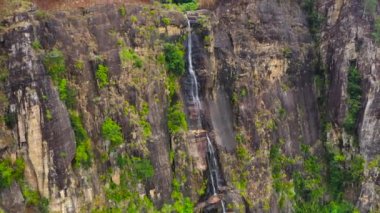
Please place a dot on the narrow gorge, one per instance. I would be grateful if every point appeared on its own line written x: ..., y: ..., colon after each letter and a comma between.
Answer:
x: 190, y: 106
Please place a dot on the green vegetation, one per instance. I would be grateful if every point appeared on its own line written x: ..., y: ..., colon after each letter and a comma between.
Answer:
x: 142, y: 169
x: 33, y: 198
x: 174, y: 58
x: 10, y: 172
x: 83, y: 155
x: 314, y: 19
x: 112, y: 131
x: 55, y: 64
x: 166, y: 21
x: 370, y: 6
x: 66, y: 94
x: 122, y: 11
x: 376, y: 32
x: 282, y: 186
x: 41, y: 15
x: 139, y: 118
x: 128, y: 55
x: 79, y: 65
x: 354, y: 99
x: 176, y: 119
x: 188, y: 5
x: 102, y: 76
x: 134, y: 19
x: 49, y: 115
x: 343, y: 172
x: 36, y: 45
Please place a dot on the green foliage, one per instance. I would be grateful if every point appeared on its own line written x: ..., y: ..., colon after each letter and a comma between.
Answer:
x: 83, y: 154
x: 128, y: 55
x: 314, y: 19
x: 134, y: 19
x: 139, y: 118
x: 66, y: 94
x: 41, y: 15
x: 176, y: 119
x: 55, y: 64
x: 49, y: 115
x: 33, y: 198
x: 4, y: 72
x: 354, y: 100
x: 166, y: 21
x: 79, y: 65
x: 122, y: 11
x: 10, y: 172
x: 370, y: 6
x: 102, y: 76
x: 174, y: 58
x: 282, y: 186
x: 112, y: 131
x: 342, y: 171
x: 143, y: 168
x: 36, y: 45
x: 10, y: 119
x: 189, y: 6
x: 376, y: 32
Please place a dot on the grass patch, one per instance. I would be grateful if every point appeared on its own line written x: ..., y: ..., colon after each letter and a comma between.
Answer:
x: 129, y: 56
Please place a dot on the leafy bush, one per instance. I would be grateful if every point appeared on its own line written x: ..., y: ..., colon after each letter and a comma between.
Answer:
x: 354, y: 99
x: 33, y: 198
x: 55, y: 64
x: 36, y: 45
x: 188, y: 6
x: 134, y: 19
x: 10, y: 172
x: 102, y: 76
x: 166, y: 21
x: 128, y: 55
x: 83, y: 155
x: 176, y: 119
x: 79, y: 64
x: 174, y: 58
x: 66, y: 94
x: 122, y: 11
x: 314, y: 19
x: 112, y: 131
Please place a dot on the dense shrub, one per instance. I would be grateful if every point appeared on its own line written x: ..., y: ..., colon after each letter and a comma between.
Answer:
x: 102, y: 76
x: 176, y: 119
x: 354, y: 99
x: 66, y: 94
x: 83, y: 155
x: 10, y: 172
x: 112, y: 131
x: 174, y: 58
x: 55, y: 64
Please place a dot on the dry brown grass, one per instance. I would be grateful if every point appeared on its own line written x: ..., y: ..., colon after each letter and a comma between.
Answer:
x: 67, y: 4
x: 207, y: 4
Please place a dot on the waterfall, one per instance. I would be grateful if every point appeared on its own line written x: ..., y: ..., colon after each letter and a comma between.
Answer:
x: 211, y: 155
x: 194, y: 81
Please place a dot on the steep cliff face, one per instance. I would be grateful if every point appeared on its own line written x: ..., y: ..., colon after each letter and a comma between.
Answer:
x: 92, y: 104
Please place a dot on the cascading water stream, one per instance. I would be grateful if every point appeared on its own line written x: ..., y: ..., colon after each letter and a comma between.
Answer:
x: 211, y: 156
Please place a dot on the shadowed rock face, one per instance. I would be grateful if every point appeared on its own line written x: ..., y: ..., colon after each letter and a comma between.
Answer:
x: 255, y: 63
